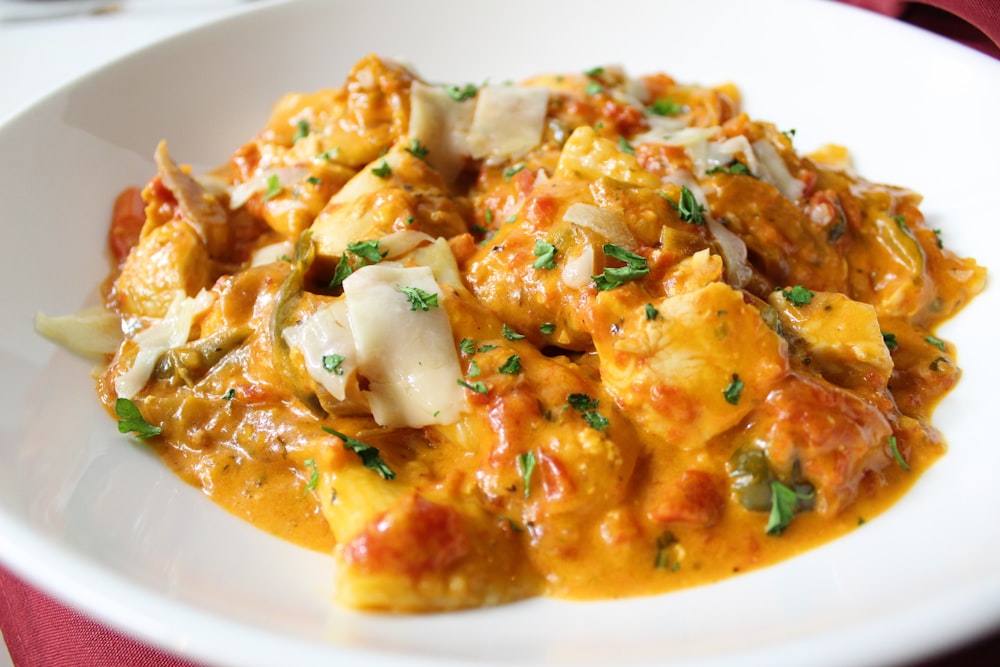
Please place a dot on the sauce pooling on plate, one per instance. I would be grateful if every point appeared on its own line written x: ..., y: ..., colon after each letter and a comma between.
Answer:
x: 586, y: 336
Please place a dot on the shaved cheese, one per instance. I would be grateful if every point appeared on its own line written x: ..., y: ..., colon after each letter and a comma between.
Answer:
x: 169, y: 332
x: 326, y: 333
x: 607, y: 223
x: 439, y: 258
x: 401, y: 242
x: 660, y: 129
x: 240, y: 193
x: 407, y: 355
x: 508, y: 121
x: 90, y: 332
x: 726, y: 152
x: 578, y: 270
x: 441, y: 124
x: 690, y: 136
x: 775, y: 171
x: 734, y: 253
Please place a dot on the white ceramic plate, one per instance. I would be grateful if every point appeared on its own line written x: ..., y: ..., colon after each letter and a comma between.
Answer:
x: 93, y: 518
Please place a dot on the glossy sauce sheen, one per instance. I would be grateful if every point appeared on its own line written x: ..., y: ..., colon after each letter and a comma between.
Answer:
x: 611, y: 442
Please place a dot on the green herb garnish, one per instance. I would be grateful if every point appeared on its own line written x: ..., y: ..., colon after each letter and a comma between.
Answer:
x: 510, y: 334
x: 418, y: 298
x: 313, y: 474
x: 784, y: 503
x: 383, y: 170
x: 635, y: 267
x: 417, y: 150
x: 665, y: 107
x: 332, y: 363
x: 273, y: 187
x: 130, y: 420
x: 512, y: 366
x: 301, y: 130
x: 687, y: 207
x: 369, y: 455
x: 462, y: 93
x: 546, y: 254
x: 526, y: 464
x: 894, y: 446
x: 798, y: 295
x: 478, y: 387
x: 733, y: 391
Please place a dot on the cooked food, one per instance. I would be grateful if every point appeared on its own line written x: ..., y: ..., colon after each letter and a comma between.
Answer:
x: 586, y: 336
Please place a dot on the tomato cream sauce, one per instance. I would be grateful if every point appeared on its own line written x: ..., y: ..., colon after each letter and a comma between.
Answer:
x: 587, y: 336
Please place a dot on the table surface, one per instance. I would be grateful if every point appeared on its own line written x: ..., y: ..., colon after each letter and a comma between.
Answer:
x: 63, y: 47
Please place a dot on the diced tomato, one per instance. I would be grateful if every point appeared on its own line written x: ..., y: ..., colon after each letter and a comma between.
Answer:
x: 127, y: 219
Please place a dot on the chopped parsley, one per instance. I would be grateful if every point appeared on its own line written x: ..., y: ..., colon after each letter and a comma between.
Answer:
x: 343, y: 270
x: 547, y: 328
x: 462, y: 93
x: 510, y: 334
x: 332, y: 363
x: 383, y: 170
x: 784, y: 504
x: 512, y: 366
x: 511, y: 172
x: 582, y: 402
x: 526, y: 464
x: 665, y: 107
x: 937, y: 235
x: 369, y: 455
x: 663, y: 548
x: 798, y: 295
x: 688, y: 207
x: 635, y: 267
x: 651, y: 312
x: 478, y: 387
x: 734, y: 168
x: 301, y: 130
x: 467, y: 346
x: 313, y: 474
x: 229, y: 395
x: 546, y: 254
x: 314, y: 180
x: 733, y: 391
x: 273, y: 187
x: 594, y: 71
x: 474, y: 369
x: 936, y: 342
x: 901, y: 221
x: 488, y: 216
x: 417, y: 149
x: 418, y: 298
x: 367, y: 250
x: 587, y: 406
x: 130, y: 420
x: 894, y: 446
x: 625, y: 147
x: 596, y: 420
x: 890, y: 340
x: 327, y: 156
x: 593, y: 88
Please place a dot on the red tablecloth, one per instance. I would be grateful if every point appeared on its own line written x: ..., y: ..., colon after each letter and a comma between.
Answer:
x: 41, y: 632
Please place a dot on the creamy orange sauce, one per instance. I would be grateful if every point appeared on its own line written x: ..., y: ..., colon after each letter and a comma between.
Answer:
x: 653, y: 350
